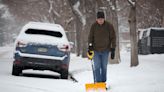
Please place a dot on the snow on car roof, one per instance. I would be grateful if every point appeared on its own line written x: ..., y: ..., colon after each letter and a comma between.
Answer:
x: 46, y: 26
x: 42, y: 38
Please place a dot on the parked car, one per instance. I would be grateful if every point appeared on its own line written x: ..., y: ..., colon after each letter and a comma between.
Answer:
x: 151, y: 41
x: 42, y: 46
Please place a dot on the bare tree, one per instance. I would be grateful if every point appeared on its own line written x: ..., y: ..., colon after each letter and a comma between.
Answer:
x: 149, y: 13
x: 1, y: 27
x: 133, y: 33
x: 89, y: 14
x: 83, y: 10
x: 78, y: 25
x: 163, y: 21
x: 115, y: 23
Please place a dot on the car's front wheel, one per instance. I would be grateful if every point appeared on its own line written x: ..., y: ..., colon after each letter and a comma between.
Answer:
x: 64, y: 74
x: 16, y: 70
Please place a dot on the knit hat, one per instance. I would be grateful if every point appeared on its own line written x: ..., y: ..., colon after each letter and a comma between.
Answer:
x: 100, y: 14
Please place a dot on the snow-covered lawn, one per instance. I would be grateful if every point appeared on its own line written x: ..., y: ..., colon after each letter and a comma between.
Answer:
x: 147, y: 77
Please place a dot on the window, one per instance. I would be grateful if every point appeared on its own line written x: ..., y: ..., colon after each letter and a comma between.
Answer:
x: 43, y: 32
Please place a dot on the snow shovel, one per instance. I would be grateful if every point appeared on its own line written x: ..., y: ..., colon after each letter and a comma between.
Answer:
x: 94, y: 87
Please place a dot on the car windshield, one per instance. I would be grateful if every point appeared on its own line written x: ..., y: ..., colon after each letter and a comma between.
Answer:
x: 44, y: 32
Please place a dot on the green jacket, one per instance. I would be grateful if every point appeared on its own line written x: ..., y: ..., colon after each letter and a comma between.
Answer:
x: 102, y: 37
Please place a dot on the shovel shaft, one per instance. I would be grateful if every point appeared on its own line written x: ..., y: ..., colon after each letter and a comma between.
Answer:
x: 93, y: 69
x: 95, y: 87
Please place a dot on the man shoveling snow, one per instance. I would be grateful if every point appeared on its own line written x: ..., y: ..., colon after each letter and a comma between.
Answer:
x: 102, y: 41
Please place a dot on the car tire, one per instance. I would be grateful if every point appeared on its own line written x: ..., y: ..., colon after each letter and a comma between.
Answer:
x: 64, y: 74
x: 16, y: 70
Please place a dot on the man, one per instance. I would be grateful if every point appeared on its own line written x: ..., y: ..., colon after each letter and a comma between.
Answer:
x: 102, y: 41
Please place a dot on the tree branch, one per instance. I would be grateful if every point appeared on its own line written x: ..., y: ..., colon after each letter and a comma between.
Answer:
x: 132, y: 3
x: 99, y: 3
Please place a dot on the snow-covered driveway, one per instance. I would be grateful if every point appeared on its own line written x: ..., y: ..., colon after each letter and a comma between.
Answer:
x: 147, y: 77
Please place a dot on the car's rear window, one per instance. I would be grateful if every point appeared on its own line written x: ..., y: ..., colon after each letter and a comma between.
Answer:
x: 44, y: 32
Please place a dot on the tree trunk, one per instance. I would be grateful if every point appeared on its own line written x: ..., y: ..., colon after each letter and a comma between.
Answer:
x: 1, y: 37
x: 115, y: 24
x: 84, y: 45
x: 78, y: 28
x: 133, y: 36
x: 163, y: 21
x: 89, y: 12
x: 78, y: 36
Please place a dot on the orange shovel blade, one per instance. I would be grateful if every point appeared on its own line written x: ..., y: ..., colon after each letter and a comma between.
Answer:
x: 96, y: 87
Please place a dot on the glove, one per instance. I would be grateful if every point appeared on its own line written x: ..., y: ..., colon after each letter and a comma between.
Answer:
x: 90, y: 54
x: 112, y: 53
